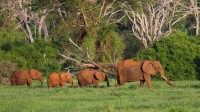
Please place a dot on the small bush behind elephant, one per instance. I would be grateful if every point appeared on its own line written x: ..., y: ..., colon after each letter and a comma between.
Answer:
x: 56, y: 79
x: 89, y: 77
x: 6, y: 69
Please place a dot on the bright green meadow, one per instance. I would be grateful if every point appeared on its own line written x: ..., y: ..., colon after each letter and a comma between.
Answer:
x: 185, y: 97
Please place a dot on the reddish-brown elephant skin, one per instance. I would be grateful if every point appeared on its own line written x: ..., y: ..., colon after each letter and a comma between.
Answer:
x: 89, y: 77
x: 131, y: 71
x: 21, y: 77
x: 59, y: 79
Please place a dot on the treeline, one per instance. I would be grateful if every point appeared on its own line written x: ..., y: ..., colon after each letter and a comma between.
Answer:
x: 33, y: 34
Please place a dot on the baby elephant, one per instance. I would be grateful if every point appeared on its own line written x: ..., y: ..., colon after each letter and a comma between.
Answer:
x: 88, y: 77
x: 21, y: 77
x: 56, y: 79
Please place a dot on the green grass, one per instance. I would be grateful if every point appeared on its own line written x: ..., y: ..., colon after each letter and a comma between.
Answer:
x: 185, y: 97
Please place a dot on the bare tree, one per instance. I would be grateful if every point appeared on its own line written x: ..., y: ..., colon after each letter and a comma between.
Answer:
x: 190, y: 7
x: 85, y: 61
x: 111, y: 11
x: 92, y: 12
x: 154, y: 20
x: 24, y: 19
x: 27, y: 20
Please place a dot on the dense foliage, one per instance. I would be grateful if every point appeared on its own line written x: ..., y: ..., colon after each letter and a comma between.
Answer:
x: 40, y: 55
x: 33, y: 33
x: 178, y: 54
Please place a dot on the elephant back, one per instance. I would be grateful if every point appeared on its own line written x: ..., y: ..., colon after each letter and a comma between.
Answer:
x: 20, y: 76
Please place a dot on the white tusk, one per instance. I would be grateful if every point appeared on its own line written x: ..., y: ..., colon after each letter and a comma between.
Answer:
x: 164, y: 77
x: 68, y: 71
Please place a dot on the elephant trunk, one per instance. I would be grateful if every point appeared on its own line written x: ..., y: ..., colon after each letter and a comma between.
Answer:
x: 165, y: 78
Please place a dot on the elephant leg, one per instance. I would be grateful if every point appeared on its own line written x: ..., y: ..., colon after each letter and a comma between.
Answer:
x: 121, y: 80
x: 49, y: 83
x: 80, y: 84
x: 29, y: 82
x: 95, y: 83
x: 142, y: 83
x: 148, y: 80
x: 62, y: 84
x: 13, y: 83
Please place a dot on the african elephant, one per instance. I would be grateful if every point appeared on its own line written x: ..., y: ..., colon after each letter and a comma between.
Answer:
x: 131, y: 71
x: 88, y: 77
x: 20, y: 77
x: 56, y: 79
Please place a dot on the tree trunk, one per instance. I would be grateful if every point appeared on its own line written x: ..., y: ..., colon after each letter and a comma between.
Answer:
x: 45, y: 31
x: 197, y: 24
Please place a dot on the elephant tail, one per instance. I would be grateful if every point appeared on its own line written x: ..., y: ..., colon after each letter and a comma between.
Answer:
x: 78, y: 83
x: 42, y: 82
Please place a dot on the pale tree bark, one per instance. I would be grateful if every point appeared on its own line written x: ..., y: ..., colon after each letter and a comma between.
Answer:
x: 85, y: 61
x: 107, y: 10
x: 26, y: 19
x: 42, y: 25
x: 148, y: 24
x: 191, y: 8
x: 111, y: 12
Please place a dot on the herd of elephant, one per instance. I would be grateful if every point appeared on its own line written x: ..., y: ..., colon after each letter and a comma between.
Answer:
x: 127, y: 71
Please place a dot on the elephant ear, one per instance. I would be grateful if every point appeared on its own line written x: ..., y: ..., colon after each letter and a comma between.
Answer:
x: 33, y: 74
x: 148, y: 68
x: 100, y: 76
x: 63, y: 77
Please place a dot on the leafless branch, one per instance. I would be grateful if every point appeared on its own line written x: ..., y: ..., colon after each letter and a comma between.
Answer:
x: 148, y: 25
x: 86, y: 62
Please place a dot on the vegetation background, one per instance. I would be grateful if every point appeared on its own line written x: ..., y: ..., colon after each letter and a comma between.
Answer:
x: 104, y: 29
x: 33, y: 34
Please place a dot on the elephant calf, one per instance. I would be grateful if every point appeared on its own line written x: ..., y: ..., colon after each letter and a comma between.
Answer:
x: 56, y: 79
x: 20, y: 77
x: 88, y: 77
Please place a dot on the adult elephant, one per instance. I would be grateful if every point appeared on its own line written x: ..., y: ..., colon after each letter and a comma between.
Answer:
x: 56, y: 79
x: 131, y: 71
x: 21, y: 77
x: 88, y: 77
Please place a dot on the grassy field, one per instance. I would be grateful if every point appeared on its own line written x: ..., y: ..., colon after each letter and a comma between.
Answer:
x: 185, y: 97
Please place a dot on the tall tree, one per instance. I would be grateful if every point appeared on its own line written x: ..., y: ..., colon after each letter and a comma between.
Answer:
x: 153, y: 19
x: 192, y: 7
x: 21, y: 11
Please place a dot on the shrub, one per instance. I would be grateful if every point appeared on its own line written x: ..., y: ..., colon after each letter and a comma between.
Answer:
x: 178, y: 53
x: 40, y: 55
x: 6, y: 69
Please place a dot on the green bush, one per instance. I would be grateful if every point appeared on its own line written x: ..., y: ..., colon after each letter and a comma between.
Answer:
x: 103, y: 42
x: 179, y: 55
x: 40, y: 55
